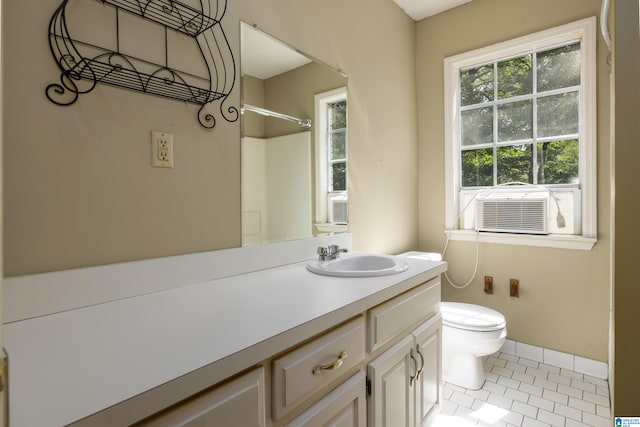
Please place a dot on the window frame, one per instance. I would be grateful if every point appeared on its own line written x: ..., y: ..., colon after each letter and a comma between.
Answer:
x: 583, y: 31
x: 323, y: 199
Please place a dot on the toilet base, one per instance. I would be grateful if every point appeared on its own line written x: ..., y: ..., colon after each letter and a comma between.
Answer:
x: 464, y: 371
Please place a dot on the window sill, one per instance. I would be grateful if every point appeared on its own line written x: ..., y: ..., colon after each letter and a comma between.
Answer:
x: 331, y: 228
x: 559, y: 241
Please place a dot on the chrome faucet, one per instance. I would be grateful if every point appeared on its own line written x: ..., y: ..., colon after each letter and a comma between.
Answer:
x: 330, y: 252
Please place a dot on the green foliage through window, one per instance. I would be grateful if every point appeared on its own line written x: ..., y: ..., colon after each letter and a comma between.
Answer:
x: 337, y: 146
x: 519, y: 119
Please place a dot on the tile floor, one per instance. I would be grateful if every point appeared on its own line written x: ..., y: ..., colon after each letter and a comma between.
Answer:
x: 524, y: 393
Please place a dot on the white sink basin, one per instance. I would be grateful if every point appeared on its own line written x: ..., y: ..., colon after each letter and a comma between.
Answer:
x: 359, y: 265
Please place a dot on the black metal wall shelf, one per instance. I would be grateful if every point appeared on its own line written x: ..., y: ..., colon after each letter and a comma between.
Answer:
x: 173, y: 14
x: 83, y: 64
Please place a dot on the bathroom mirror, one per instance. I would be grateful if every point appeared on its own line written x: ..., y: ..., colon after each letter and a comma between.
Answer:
x: 279, y: 90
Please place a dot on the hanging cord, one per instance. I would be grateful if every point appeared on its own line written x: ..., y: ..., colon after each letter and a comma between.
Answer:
x: 446, y: 245
x: 559, y: 219
x: 475, y: 268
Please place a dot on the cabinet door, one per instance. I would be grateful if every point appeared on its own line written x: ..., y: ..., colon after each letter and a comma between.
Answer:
x: 240, y: 402
x: 343, y: 407
x: 428, y: 345
x: 391, y: 374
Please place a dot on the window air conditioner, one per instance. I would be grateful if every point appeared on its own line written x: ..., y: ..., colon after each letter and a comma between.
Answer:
x: 339, y: 212
x: 510, y: 212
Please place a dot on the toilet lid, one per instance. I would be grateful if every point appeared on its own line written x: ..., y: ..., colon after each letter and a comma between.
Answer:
x: 471, y: 317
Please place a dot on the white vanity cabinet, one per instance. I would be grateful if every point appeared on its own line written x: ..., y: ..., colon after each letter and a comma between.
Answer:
x: 405, y: 380
x: 304, y: 350
x: 381, y: 368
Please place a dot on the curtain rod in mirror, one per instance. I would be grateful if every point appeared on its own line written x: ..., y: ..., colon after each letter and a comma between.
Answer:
x: 305, y: 123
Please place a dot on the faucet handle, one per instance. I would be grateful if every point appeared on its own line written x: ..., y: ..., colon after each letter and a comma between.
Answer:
x: 334, y: 250
x: 322, y: 250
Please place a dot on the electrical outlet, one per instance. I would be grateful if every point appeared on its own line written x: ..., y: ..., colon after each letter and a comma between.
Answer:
x: 161, y: 149
x: 514, y: 288
x: 488, y: 284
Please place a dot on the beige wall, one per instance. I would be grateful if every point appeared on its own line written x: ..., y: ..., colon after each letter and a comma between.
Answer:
x: 627, y: 230
x: 79, y: 189
x: 293, y: 93
x: 564, y: 297
x: 79, y: 186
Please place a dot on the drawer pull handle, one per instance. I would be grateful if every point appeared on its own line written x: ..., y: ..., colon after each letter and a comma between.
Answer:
x: 421, y: 361
x: 412, y: 378
x: 330, y: 367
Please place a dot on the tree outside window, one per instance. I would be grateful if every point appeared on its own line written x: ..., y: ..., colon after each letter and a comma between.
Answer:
x: 520, y: 119
x: 524, y: 111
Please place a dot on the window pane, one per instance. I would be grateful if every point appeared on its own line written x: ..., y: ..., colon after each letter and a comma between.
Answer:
x: 338, y: 177
x: 338, y: 146
x: 477, y: 126
x: 515, y: 121
x: 558, y: 115
x: 338, y: 115
x: 558, y: 162
x: 476, y: 85
x: 477, y: 167
x: 558, y: 68
x: 515, y: 77
x: 515, y: 164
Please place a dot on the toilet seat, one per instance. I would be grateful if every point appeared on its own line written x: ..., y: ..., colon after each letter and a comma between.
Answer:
x: 471, y: 317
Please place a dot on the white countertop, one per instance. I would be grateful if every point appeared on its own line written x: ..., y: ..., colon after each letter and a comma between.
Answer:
x: 69, y: 365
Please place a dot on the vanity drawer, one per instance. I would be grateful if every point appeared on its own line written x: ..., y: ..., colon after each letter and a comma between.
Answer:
x: 347, y: 404
x: 390, y: 318
x: 240, y: 402
x: 299, y: 373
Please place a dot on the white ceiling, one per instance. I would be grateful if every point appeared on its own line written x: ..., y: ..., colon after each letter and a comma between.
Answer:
x: 264, y: 57
x: 420, y: 9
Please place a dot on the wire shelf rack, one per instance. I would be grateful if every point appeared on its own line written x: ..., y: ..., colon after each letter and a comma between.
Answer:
x: 84, y: 64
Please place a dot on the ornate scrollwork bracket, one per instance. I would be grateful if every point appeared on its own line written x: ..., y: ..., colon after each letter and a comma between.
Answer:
x: 83, y: 65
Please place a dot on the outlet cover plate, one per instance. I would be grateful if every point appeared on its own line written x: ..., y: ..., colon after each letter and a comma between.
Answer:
x: 161, y: 149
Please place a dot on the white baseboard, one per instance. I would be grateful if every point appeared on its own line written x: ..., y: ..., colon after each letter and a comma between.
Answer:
x: 593, y: 368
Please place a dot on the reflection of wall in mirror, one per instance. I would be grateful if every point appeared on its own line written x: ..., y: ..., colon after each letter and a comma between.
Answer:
x: 289, y: 93
x: 293, y: 93
x: 253, y: 94
x: 276, y: 192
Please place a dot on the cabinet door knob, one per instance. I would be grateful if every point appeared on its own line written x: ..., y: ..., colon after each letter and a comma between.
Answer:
x: 330, y: 367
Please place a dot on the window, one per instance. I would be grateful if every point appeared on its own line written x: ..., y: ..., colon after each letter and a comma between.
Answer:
x: 520, y: 121
x: 331, y: 161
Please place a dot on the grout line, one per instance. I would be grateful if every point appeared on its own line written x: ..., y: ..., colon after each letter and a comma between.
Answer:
x: 549, y: 357
x: 547, y: 394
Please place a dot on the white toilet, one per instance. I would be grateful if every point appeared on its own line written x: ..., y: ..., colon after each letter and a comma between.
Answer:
x: 469, y: 332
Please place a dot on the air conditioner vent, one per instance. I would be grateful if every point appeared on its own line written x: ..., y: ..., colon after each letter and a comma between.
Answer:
x: 339, y: 211
x: 512, y: 214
